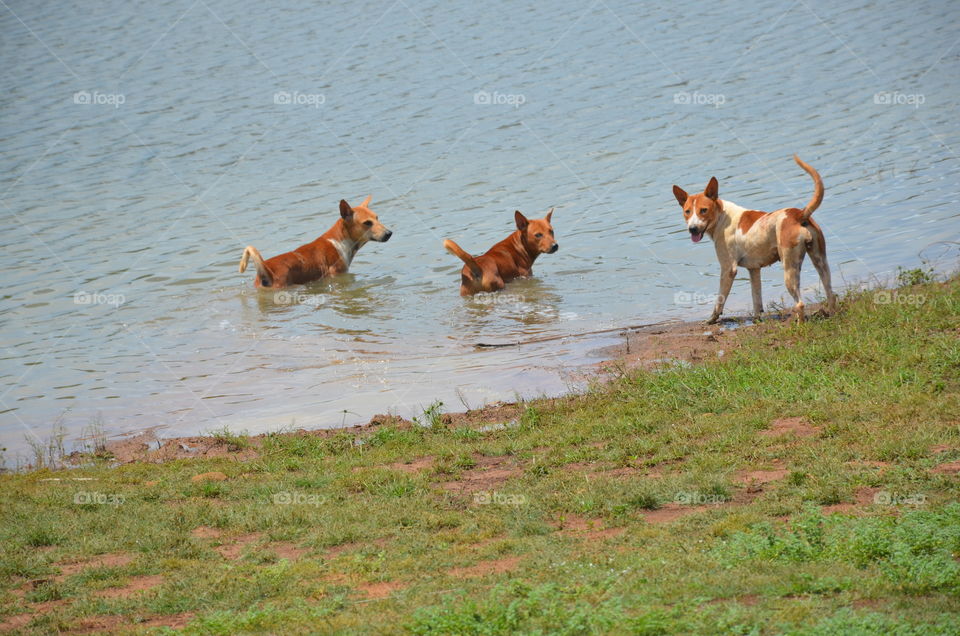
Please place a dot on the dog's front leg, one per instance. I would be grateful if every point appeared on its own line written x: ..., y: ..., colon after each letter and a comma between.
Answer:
x: 755, y: 290
x: 727, y: 274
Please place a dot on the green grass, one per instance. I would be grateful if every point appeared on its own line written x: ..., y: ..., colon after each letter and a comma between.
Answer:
x: 314, y: 521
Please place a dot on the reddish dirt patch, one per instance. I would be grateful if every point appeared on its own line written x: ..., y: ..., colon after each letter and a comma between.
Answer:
x: 949, y: 468
x: 863, y: 496
x: 114, y: 560
x: 496, y: 566
x: 667, y: 344
x: 418, y: 465
x: 587, y: 529
x: 287, y: 550
x: 755, y: 480
x: 233, y: 550
x: 170, y: 620
x: 97, y: 625
x: 796, y: 426
x: 212, y: 476
x: 147, y: 447
x: 941, y: 448
x: 669, y: 512
x: 133, y: 586
x: 36, y: 609
x: 205, y: 532
x: 380, y: 590
x: 488, y: 474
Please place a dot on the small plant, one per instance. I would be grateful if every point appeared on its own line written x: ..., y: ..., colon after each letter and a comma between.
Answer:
x: 233, y: 441
x: 432, y: 416
x: 915, y: 276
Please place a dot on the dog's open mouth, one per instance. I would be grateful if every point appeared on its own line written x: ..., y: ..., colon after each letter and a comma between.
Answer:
x: 695, y: 235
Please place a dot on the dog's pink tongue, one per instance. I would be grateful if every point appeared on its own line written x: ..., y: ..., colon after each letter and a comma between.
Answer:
x: 696, y: 237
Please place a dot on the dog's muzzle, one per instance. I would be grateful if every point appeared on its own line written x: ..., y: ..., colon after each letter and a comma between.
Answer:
x: 385, y: 237
x: 696, y: 234
x: 554, y: 248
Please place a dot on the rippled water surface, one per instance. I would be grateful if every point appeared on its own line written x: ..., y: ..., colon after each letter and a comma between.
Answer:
x: 145, y: 144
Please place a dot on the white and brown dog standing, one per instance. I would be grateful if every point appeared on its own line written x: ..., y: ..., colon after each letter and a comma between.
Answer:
x: 329, y: 255
x: 753, y: 239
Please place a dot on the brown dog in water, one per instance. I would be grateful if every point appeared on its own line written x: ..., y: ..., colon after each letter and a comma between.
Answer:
x: 329, y: 255
x: 510, y: 258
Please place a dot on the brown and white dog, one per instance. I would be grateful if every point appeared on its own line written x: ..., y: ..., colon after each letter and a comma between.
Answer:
x: 329, y: 255
x: 754, y: 239
x: 510, y: 258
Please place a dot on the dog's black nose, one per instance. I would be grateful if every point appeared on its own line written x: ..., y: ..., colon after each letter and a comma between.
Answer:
x: 387, y: 235
x: 694, y: 230
x: 555, y: 247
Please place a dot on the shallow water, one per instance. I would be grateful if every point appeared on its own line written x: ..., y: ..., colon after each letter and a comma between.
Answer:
x: 213, y: 125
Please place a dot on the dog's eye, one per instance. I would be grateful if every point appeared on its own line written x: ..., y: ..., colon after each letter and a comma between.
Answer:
x: 538, y: 235
x: 368, y: 223
x: 703, y: 210
x: 551, y: 232
x: 686, y: 213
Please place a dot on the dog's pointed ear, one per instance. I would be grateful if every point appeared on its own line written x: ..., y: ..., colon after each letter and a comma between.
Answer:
x: 712, y: 190
x: 680, y: 194
x: 366, y: 201
x: 521, y: 220
x: 549, y: 215
x: 345, y: 210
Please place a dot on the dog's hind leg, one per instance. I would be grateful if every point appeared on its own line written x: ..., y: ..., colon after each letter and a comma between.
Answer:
x: 791, y: 278
x: 755, y: 291
x: 263, y: 272
x: 818, y: 255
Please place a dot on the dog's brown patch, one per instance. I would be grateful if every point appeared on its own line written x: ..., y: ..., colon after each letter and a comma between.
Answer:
x: 790, y: 228
x: 748, y: 218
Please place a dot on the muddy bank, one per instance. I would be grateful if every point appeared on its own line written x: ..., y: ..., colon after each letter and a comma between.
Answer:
x: 644, y: 347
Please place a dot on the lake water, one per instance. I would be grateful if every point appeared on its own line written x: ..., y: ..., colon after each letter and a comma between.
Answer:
x: 145, y: 144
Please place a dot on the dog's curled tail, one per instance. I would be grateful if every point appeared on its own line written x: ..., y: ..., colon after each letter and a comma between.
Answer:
x: 266, y: 278
x: 456, y: 250
x: 817, y: 188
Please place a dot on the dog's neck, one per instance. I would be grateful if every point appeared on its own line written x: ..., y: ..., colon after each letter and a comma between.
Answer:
x: 525, y: 253
x: 339, y: 237
x: 729, y: 212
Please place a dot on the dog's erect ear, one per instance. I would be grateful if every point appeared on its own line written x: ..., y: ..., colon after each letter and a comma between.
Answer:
x: 713, y: 189
x: 521, y: 220
x: 680, y: 194
x: 366, y: 201
x: 345, y: 210
x: 549, y: 214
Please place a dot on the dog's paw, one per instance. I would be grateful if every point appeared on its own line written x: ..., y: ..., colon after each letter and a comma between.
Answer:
x: 714, y: 319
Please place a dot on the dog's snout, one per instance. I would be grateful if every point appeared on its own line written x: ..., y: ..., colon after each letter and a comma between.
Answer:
x: 694, y: 230
x: 554, y: 248
x: 387, y: 235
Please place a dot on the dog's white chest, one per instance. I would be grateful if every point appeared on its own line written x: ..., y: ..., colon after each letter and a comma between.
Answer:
x: 346, y: 249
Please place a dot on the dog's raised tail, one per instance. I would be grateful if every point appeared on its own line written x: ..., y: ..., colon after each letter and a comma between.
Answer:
x: 457, y: 251
x: 817, y: 188
x: 263, y: 274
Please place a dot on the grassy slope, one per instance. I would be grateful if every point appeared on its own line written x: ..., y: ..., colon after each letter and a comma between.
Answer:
x: 882, y: 383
